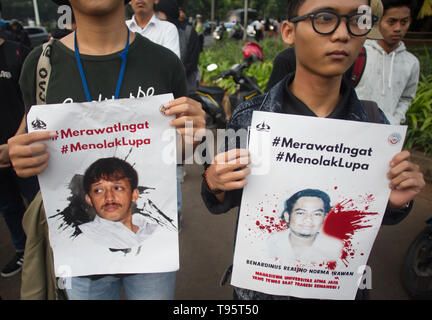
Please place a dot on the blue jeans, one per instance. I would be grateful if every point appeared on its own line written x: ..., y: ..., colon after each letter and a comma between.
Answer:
x: 12, y: 188
x: 144, y: 286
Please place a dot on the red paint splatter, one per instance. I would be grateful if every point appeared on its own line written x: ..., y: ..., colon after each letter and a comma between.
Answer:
x: 331, y: 265
x: 343, y: 221
x: 271, y: 224
x: 268, y: 219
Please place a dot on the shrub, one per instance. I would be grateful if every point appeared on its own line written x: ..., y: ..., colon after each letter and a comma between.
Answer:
x: 424, y: 56
x: 419, y: 118
x: 228, y: 52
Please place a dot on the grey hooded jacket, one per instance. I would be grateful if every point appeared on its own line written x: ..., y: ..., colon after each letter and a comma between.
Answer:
x: 389, y: 79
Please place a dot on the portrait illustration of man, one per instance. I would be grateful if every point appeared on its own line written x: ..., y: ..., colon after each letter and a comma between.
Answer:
x: 111, y: 189
x: 304, y: 239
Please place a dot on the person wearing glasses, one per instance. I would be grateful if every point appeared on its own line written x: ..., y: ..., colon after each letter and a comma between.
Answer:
x: 328, y: 36
x: 391, y: 73
x: 285, y: 61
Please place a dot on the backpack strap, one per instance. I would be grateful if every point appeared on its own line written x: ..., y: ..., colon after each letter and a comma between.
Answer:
x: 359, y: 67
x: 372, y: 111
x: 39, y: 256
x: 43, y: 72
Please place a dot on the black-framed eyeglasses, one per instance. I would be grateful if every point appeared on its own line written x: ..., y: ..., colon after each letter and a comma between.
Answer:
x: 326, y: 22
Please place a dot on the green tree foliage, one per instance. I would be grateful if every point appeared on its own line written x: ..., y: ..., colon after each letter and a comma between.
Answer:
x: 419, y: 118
x: 229, y: 52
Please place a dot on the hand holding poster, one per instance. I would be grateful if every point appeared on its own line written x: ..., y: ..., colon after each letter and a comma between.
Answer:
x: 313, y: 204
x: 109, y: 209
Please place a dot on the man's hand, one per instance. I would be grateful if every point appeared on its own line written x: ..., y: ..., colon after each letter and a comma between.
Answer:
x: 229, y: 170
x: 28, y: 154
x: 406, y: 180
x: 188, y: 111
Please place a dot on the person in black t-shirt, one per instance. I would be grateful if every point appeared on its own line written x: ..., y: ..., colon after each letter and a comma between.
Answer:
x: 20, y: 34
x: 101, y: 32
x: 12, y: 55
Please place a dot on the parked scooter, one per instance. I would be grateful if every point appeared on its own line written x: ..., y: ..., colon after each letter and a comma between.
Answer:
x: 212, y: 97
x: 417, y: 267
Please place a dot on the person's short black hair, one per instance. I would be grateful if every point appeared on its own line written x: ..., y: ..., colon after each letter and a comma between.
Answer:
x: 293, y: 7
x: 109, y: 169
x: 291, y: 201
x: 388, y: 4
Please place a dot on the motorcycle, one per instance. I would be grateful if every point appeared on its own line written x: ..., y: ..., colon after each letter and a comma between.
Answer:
x: 228, y: 30
x: 212, y: 97
x: 417, y: 266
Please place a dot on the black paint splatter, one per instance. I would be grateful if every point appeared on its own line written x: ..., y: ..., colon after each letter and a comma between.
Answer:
x: 79, y: 212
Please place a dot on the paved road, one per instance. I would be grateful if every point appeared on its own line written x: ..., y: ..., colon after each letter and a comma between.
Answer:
x: 206, y: 249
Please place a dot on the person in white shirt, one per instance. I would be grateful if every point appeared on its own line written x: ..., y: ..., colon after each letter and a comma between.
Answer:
x: 145, y: 23
x: 304, y: 240
x: 111, y: 187
x: 164, y: 33
x: 115, y: 235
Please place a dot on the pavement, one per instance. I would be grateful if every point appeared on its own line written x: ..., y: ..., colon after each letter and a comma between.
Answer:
x: 206, y: 247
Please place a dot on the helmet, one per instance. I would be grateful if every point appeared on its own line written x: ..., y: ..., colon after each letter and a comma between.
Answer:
x: 252, y: 51
x: 66, y: 2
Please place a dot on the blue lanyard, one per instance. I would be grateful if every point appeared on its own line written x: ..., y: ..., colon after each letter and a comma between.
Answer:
x: 122, y: 55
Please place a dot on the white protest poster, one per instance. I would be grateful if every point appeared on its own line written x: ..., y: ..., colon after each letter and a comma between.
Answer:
x: 313, y: 204
x: 110, y: 190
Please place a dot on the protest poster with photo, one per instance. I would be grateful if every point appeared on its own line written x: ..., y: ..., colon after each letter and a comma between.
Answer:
x: 313, y: 204
x: 101, y: 219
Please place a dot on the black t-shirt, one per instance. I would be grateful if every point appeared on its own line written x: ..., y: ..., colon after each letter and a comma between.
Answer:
x: 293, y: 105
x: 151, y: 70
x: 12, y: 55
